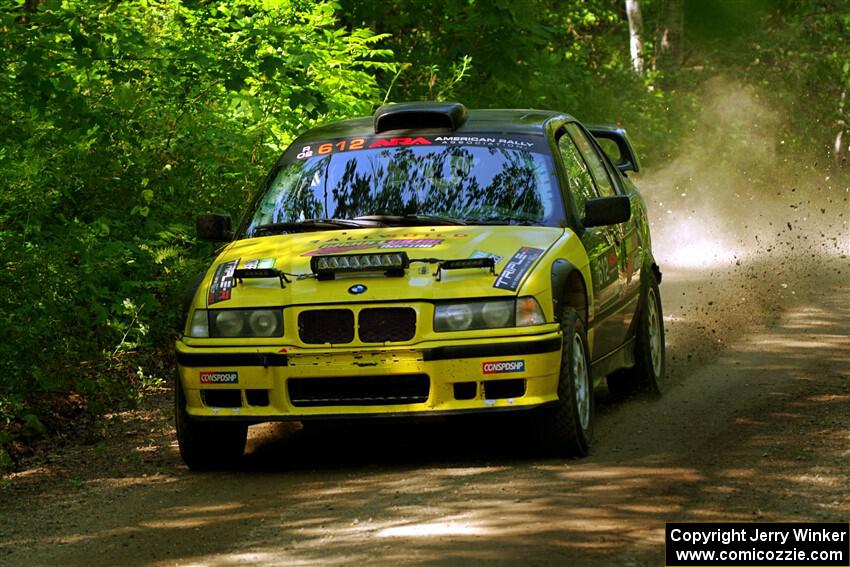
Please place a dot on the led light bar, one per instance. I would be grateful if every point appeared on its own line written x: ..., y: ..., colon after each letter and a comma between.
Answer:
x: 468, y: 263
x: 392, y: 264
x: 465, y: 264
x: 258, y: 273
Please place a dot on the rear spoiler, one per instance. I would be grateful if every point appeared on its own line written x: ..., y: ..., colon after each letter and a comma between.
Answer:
x: 627, y: 160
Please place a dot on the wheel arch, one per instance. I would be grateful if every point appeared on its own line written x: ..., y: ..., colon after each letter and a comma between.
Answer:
x: 569, y: 289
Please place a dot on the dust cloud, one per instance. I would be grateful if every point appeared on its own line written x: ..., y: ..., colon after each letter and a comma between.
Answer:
x: 741, y: 229
x: 731, y: 195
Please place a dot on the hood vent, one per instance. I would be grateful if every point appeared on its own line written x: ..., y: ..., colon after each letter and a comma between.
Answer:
x: 420, y: 115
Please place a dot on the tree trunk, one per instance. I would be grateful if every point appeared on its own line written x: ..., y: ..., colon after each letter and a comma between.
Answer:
x: 635, y: 34
x: 841, y: 149
x: 30, y: 6
x: 671, y: 35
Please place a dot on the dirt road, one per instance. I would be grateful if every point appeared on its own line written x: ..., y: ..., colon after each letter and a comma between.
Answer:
x: 754, y: 427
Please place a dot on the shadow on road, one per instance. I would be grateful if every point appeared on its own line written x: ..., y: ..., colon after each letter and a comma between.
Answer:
x: 759, y: 433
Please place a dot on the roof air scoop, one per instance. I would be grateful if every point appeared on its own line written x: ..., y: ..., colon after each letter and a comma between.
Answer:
x: 420, y: 115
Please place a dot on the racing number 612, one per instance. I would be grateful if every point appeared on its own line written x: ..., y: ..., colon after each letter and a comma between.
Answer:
x: 342, y: 145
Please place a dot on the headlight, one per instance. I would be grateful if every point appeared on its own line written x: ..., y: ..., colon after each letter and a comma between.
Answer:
x: 228, y: 323
x: 453, y: 317
x: 200, y: 324
x: 245, y: 323
x: 474, y: 315
x: 263, y: 323
x: 498, y: 313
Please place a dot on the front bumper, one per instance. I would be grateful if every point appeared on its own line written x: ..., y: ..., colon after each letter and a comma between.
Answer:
x: 273, y: 383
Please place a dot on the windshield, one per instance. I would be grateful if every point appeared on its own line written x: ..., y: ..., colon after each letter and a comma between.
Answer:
x: 486, y: 179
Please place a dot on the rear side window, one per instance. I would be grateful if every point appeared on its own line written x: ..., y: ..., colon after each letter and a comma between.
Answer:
x: 581, y: 184
x: 597, y: 169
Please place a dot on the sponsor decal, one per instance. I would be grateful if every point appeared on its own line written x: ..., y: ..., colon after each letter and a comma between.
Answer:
x: 393, y: 142
x: 305, y: 152
x: 341, y: 145
x: 412, y: 243
x: 259, y: 264
x: 222, y: 282
x: 220, y: 377
x: 503, y: 366
x: 339, y: 249
x: 336, y: 247
x: 517, y: 267
x: 482, y: 254
x: 515, y: 143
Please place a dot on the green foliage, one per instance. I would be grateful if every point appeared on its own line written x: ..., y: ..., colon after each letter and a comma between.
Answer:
x: 544, y: 54
x: 120, y: 122
x: 808, y: 53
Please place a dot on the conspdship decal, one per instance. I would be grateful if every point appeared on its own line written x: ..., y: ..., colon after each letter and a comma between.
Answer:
x: 503, y: 366
x: 219, y: 377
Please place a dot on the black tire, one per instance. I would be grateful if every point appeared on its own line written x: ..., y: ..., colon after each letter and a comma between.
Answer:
x: 566, y: 430
x: 649, y: 373
x: 206, y: 445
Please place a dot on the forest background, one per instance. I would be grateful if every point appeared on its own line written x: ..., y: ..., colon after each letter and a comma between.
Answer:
x: 121, y: 121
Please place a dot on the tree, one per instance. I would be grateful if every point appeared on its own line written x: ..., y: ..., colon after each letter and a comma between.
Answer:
x: 671, y: 36
x: 635, y: 35
x: 120, y: 121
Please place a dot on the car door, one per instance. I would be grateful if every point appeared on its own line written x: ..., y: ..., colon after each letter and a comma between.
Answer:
x: 601, y: 243
x: 631, y: 253
x: 608, y: 183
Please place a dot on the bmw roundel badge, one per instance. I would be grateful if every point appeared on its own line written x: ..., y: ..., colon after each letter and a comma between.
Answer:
x: 357, y: 289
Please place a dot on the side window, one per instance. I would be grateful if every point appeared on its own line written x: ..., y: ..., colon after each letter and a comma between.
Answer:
x: 581, y: 185
x: 594, y: 162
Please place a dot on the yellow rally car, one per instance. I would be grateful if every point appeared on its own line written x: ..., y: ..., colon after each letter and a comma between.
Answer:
x: 428, y: 260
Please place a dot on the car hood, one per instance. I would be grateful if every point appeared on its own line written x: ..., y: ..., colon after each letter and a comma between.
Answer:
x: 291, y: 253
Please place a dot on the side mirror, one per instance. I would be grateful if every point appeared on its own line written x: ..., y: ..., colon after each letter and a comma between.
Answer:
x: 214, y: 227
x: 606, y: 211
x: 627, y: 160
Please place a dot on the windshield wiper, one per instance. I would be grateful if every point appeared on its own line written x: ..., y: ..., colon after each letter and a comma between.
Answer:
x: 412, y: 220
x: 308, y: 225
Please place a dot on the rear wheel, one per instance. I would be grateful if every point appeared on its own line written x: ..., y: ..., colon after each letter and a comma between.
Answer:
x: 207, y: 445
x: 567, y: 428
x: 650, y: 369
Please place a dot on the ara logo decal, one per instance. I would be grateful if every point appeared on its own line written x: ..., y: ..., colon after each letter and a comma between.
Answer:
x: 219, y: 377
x: 393, y: 142
x: 503, y: 366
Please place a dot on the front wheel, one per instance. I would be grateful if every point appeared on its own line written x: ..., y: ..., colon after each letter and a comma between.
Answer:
x: 567, y: 428
x: 207, y: 445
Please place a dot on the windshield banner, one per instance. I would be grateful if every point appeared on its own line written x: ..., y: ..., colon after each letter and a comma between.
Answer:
x: 341, y: 145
